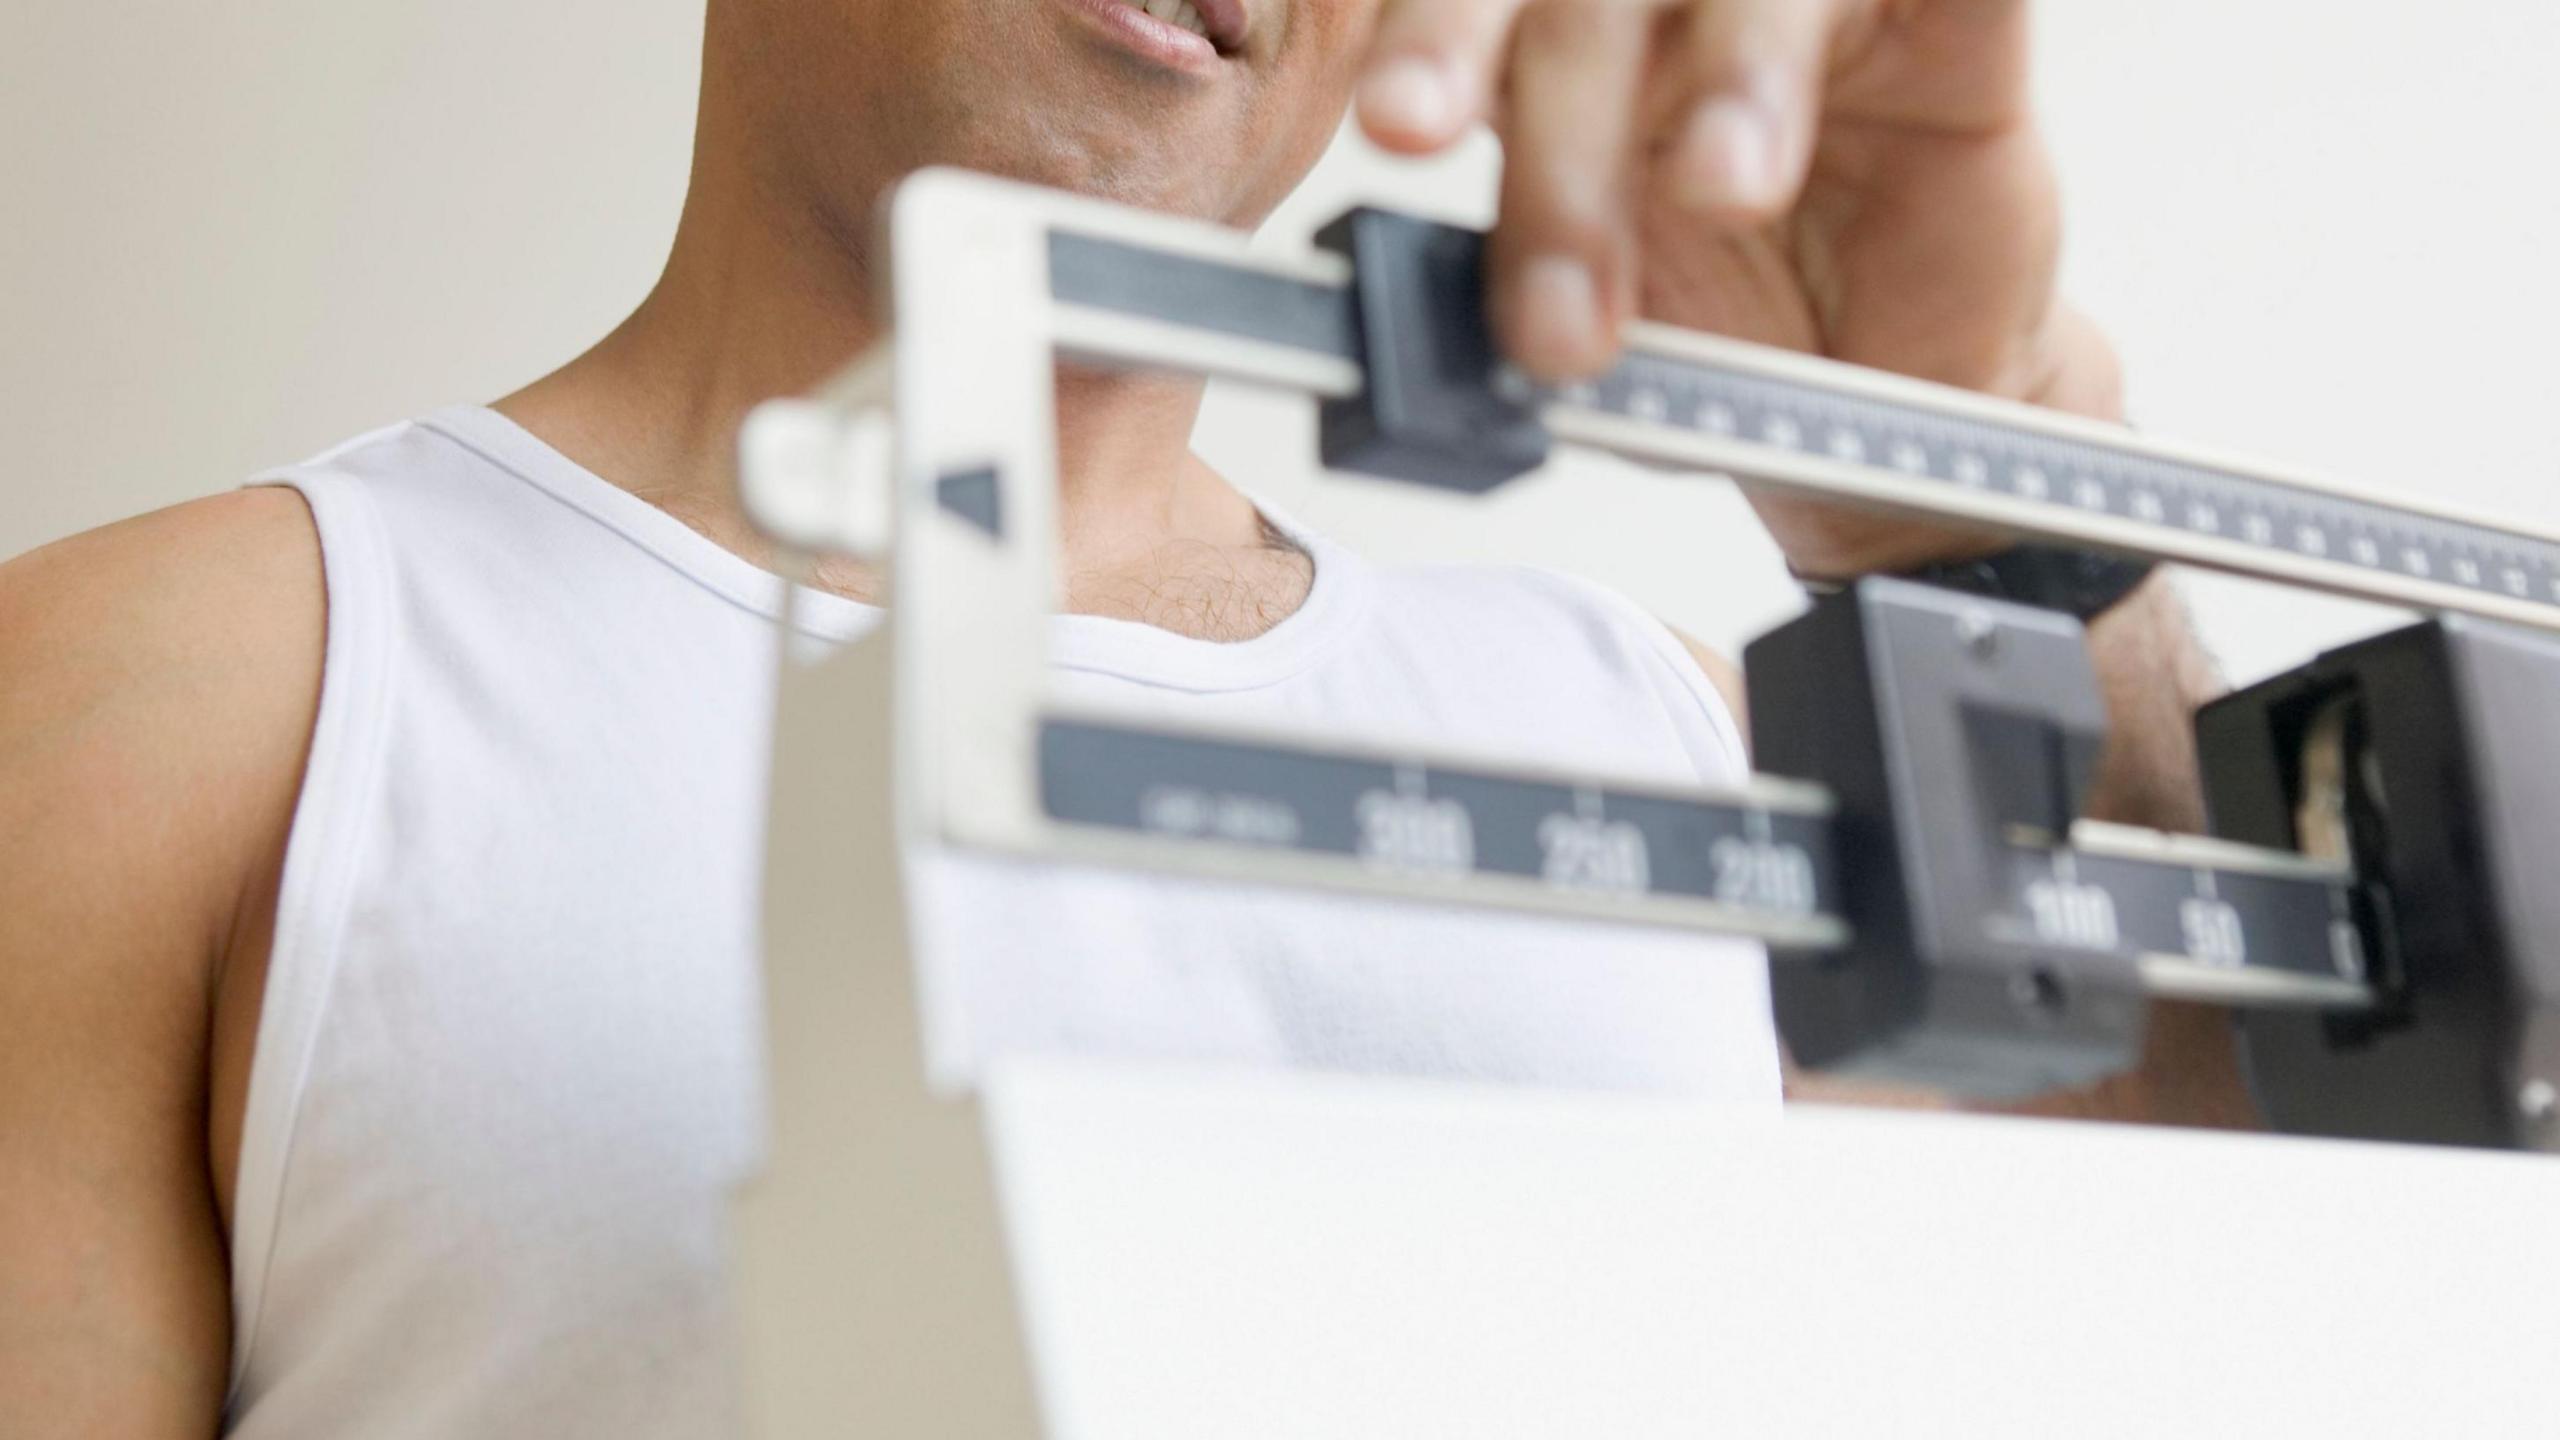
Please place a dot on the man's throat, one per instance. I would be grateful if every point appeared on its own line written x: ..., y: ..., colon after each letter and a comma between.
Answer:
x: 1203, y: 592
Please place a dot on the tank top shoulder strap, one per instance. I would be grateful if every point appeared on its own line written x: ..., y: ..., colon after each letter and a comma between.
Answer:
x: 1709, y: 729
x: 340, y: 781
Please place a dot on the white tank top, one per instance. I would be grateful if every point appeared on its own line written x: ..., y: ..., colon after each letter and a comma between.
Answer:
x: 504, y: 1077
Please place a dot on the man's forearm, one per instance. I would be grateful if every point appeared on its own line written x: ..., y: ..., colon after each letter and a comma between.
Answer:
x: 2153, y: 674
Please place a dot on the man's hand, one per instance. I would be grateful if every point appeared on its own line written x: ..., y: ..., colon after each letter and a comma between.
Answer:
x: 1860, y: 179
x: 1855, y: 178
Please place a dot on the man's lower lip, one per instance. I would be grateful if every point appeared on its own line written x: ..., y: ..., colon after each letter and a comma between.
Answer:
x: 1161, y: 41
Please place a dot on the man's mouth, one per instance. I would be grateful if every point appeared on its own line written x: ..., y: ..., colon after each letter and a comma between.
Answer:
x: 1220, y: 22
x: 1189, y: 36
x: 1174, y: 12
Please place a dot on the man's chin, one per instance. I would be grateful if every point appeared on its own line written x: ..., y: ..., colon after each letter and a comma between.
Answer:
x: 1152, y: 182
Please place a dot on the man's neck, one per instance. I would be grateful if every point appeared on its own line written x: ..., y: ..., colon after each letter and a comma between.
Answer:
x: 748, y: 310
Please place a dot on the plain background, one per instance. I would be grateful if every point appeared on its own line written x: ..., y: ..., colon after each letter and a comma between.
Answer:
x: 235, y: 233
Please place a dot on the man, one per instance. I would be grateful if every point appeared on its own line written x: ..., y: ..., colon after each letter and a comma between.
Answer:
x: 377, y: 846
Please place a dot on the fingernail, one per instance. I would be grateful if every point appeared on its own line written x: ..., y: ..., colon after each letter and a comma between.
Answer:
x: 1412, y: 95
x: 1728, y: 157
x: 1556, y: 320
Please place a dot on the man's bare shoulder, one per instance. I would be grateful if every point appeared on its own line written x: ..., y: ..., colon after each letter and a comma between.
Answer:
x: 242, y: 540
x: 158, y: 679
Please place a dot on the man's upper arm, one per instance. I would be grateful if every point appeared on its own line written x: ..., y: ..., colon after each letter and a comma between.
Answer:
x: 157, y: 684
x: 1722, y: 674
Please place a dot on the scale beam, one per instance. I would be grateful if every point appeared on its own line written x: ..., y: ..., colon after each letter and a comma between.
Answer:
x: 1702, y: 403
x: 1754, y: 862
x: 995, y: 283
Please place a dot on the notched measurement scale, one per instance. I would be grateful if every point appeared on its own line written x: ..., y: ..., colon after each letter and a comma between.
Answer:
x: 2070, y: 482
x: 2195, y: 909
x: 1767, y: 853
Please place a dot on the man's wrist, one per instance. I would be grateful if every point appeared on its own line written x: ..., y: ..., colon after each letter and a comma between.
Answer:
x: 2069, y: 366
x: 2083, y: 584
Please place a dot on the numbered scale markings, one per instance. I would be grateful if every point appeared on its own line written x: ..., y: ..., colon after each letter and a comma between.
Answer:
x: 1954, y: 453
x: 1769, y: 861
x: 2205, y: 930
x: 2202, y: 919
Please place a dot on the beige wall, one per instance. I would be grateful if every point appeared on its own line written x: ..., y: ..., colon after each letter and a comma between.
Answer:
x: 241, y: 230
x: 237, y: 232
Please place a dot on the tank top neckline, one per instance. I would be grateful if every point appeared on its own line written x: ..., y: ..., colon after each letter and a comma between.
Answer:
x: 1127, y: 649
